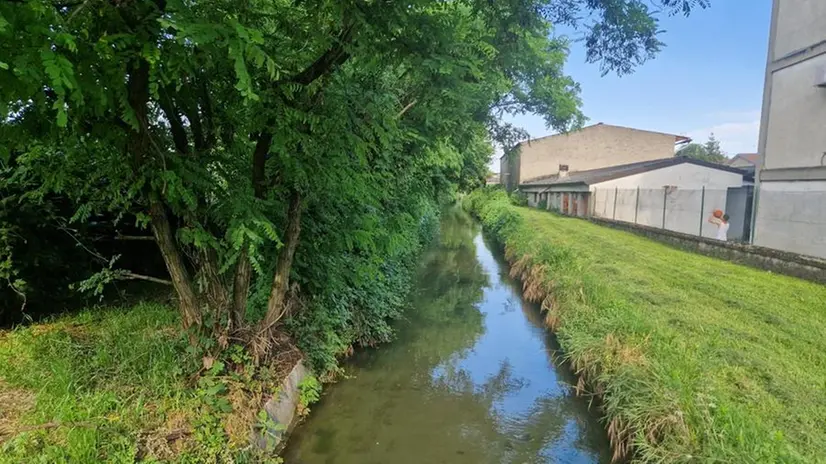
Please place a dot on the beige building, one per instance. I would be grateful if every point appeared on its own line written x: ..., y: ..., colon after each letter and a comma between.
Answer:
x: 591, y: 147
x: 790, y: 199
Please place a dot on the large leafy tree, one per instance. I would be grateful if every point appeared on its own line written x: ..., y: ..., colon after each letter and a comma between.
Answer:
x: 233, y: 129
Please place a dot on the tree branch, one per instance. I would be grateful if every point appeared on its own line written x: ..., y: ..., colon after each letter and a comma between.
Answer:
x: 259, y: 160
x: 176, y: 126
x: 334, y: 57
x: 135, y: 237
x: 404, y: 110
x: 206, y: 109
x: 128, y: 275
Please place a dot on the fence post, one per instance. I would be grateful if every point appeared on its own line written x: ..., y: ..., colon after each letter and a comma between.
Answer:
x: 592, y: 202
x: 665, y: 197
x: 616, y: 191
x: 702, y: 207
x: 637, y: 205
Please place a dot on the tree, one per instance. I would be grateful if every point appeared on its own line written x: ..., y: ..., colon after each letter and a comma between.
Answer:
x: 709, y: 151
x: 693, y: 150
x: 713, y: 151
x: 250, y: 137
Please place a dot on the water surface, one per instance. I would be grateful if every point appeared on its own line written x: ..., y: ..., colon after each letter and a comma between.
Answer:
x: 471, y: 379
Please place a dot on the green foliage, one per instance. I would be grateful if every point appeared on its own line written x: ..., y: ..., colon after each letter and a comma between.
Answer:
x: 710, y: 151
x: 729, y: 379
x: 713, y: 150
x: 309, y: 393
x: 40, y: 255
x: 519, y: 198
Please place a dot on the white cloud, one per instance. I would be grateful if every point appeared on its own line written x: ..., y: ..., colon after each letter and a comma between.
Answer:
x: 738, y: 133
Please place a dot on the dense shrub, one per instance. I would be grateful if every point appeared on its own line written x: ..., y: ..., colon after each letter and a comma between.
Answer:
x: 519, y: 198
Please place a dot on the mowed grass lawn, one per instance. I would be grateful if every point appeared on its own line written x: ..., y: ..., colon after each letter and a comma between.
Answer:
x: 702, y: 360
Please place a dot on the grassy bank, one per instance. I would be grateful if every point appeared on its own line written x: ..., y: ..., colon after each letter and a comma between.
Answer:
x: 696, y: 359
x: 123, y: 385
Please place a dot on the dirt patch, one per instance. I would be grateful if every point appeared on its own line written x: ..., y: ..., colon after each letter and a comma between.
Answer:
x: 77, y: 332
x: 245, y: 406
x: 167, y: 441
x: 14, y: 402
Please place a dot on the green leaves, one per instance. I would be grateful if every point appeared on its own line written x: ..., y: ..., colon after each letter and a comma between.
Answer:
x: 373, y: 112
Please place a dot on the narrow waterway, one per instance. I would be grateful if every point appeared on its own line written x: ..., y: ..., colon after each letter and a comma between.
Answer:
x: 472, y: 377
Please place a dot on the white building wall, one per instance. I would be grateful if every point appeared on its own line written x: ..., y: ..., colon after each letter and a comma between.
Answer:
x: 685, y: 176
x: 800, y: 24
x: 796, y: 133
x: 791, y: 187
x: 686, y: 206
x: 792, y: 217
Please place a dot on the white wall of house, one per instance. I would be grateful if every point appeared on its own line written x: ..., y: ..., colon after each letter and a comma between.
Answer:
x: 799, y: 24
x: 684, y: 176
x: 795, y: 136
x: 790, y: 202
x: 792, y: 217
x: 686, y: 206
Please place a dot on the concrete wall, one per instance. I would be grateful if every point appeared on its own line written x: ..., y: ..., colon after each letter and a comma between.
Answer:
x: 590, y: 148
x: 791, y: 185
x: 800, y: 23
x: 792, y: 217
x: 686, y: 207
x: 282, y: 411
x: 796, y: 136
x: 504, y: 171
x: 684, y: 176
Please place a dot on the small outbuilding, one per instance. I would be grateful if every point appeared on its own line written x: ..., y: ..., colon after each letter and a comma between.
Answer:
x: 673, y: 193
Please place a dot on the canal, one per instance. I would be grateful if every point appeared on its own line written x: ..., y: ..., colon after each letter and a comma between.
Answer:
x: 472, y: 377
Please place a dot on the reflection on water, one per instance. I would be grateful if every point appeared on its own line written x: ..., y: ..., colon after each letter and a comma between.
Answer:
x: 471, y: 378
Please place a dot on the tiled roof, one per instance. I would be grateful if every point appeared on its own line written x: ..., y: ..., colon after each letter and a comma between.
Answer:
x: 752, y: 158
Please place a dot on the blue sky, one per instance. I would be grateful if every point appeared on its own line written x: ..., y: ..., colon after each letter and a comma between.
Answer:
x: 708, y: 78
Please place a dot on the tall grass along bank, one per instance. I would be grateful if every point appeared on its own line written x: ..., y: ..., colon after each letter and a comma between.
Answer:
x: 123, y: 385
x: 695, y: 359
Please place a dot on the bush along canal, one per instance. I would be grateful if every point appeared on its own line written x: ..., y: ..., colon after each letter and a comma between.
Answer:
x: 472, y: 377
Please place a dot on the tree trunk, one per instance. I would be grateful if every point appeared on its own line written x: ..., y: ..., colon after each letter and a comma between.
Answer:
x: 240, y: 290
x: 276, y: 304
x: 216, y: 289
x: 139, y: 143
x: 190, y: 312
x: 243, y: 270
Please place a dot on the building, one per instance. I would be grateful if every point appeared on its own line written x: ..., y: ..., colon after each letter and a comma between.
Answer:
x: 677, y: 193
x: 492, y: 179
x: 790, y: 199
x: 592, y: 147
x: 744, y: 160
